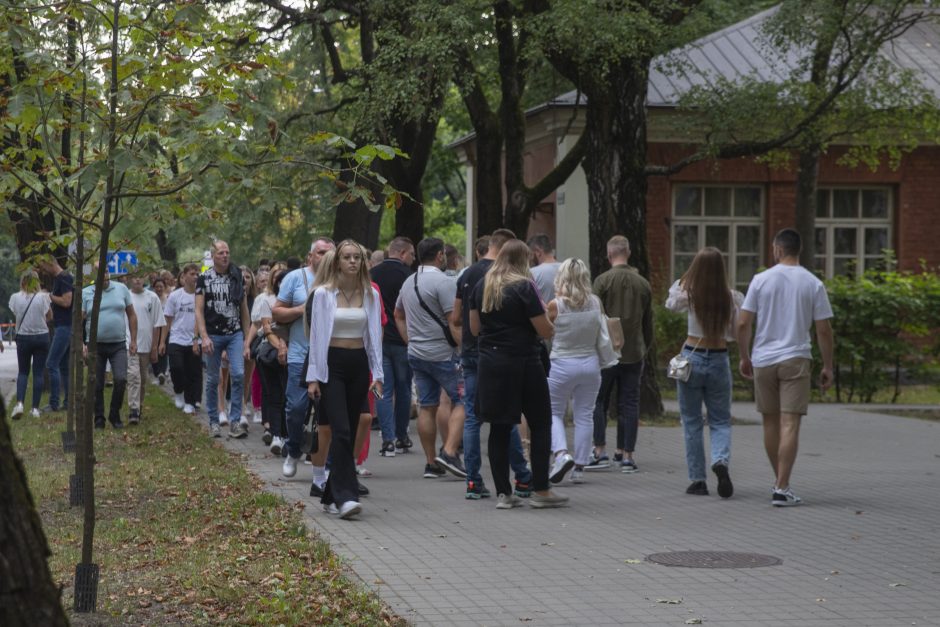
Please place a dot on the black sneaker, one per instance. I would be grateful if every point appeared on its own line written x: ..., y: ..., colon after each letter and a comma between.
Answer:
x: 315, y: 490
x: 267, y: 438
x: 451, y: 463
x: 99, y: 422
x: 785, y: 498
x: 476, y: 491
x: 388, y: 449
x: 363, y: 491
x: 598, y: 462
x: 725, y: 487
x: 403, y: 446
x: 117, y: 424
x: 134, y: 417
x: 618, y: 459
x: 698, y: 488
x: 523, y: 490
x: 433, y: 471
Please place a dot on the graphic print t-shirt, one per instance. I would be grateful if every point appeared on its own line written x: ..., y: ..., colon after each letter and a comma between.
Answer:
x: 223, y: 295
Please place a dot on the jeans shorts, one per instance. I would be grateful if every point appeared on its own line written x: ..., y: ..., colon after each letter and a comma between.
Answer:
x: 433, y: 376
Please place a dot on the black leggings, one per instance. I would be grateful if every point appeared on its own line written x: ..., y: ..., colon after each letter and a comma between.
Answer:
x: 536, y: 407
x: 186, y: 372
x: 273, y: 386
x: 341, y: 399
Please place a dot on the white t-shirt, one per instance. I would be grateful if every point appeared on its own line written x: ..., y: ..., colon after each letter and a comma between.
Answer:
x: 181, y: 306
x: 786, y: 300
x: 544, y: 275
x: 262, y: 307
x: 149, y: 312
x: 34, y: 322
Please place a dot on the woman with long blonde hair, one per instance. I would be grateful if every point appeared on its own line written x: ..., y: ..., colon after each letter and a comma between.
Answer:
x: 509, y: 318
x: 712, y: 307
x: 345, y: 346
x: 575, y: 374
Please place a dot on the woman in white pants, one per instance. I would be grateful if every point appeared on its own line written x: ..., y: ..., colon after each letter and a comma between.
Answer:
x: 575, y: 372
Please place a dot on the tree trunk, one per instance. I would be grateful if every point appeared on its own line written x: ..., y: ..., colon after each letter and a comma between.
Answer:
x: 806, y: 178
x: 489, y: 180
x: 409, y: 217
x: 168, y: 252
x: 28, y: 595
x: 615, y: 168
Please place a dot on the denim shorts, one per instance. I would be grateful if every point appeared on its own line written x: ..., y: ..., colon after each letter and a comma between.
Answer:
x: 433, y: 376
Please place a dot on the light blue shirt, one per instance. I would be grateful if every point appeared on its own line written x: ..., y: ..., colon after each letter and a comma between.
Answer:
x: 112, y: 319
x: 294, y: 292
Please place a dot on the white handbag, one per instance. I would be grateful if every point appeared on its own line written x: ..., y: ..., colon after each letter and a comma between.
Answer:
x: 680, y: 366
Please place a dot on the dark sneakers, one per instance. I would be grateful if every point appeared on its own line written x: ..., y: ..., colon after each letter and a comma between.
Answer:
x: 785, y: 498
x: 476, y: 491
x: 697, y: 488
x: 403, y: 446
x: 433, y: 471
x: 134, y: 417
x: 725, y: 487
x: 388, y: 449
x: 451, y: 463
x: 523, y: 490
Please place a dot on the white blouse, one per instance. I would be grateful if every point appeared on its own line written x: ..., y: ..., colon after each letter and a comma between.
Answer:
x: 678, y: 300
x: 321, y: 330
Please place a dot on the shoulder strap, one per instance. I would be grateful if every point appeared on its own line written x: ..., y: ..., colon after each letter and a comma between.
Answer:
x: 447, y: 334
x: 26, y: 311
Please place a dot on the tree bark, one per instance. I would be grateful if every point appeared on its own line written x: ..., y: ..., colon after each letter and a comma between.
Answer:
x: 168, y: 252
x: 806, y: 178
x: 28, y: 595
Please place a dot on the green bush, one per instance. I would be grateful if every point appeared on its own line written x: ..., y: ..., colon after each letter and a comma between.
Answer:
x: 882, y: 323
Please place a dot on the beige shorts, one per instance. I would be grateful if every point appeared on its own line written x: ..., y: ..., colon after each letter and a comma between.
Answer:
x: 783, y: 388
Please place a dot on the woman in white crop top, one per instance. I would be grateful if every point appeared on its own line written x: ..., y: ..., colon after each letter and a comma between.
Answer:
x: 575, y: 374
x: 712, y: 308
x: 345, y: 345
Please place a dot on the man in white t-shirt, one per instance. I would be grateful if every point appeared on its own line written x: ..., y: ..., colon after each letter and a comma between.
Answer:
x: 785, y: 300
x: 150, y: 325
x: 545, y: 267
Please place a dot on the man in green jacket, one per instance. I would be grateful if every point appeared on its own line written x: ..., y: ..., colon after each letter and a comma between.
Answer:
x: 625, y: 295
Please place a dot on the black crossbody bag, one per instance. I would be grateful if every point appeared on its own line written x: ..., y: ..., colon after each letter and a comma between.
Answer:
x: 446, y: 329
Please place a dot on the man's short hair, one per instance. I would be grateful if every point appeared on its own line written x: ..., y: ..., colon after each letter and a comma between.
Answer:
x: 190, y: 266
x: 541, y: 241
x: 293, y: 262
x: 428, y: 249
x: 500, y: 237
x: 618, y: 246
x: 789, y: 242
x: 322, y: 238
x: 399, y: 245
x: 215, y: 245
x: 481, y: 246
x: 452, y: 255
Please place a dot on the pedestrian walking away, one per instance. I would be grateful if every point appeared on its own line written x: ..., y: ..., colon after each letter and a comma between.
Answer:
x: 33, y: 310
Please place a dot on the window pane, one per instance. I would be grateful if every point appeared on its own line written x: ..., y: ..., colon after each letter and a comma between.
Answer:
x: 748, y: 239
x: 845, y: 203
x: 822, y: 203
x: 820, y: 265
x: 875, y: 203
x: 686, y: 239
x: 875, y: 263
x: 745, y: 268
x: 844, y: 241
x: 876, y: 240
x: 682, y: 263
x: 747, y: 202
x: 820, y: 241
x: 688, y: 201
x: 844, y: 266
x: 718, y: 201
x: 717, y: 236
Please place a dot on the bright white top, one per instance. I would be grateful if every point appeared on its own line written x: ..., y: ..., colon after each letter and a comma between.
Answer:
x: 35, y: 321
x: 678, y: 300
x: 577, y: 330
x: 322, y: 316
x: 180, y: 305
x: 149, y: 312
x: 786, y: 300
x: 349, y: 323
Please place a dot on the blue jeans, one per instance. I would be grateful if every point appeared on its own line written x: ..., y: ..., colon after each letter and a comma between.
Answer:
x: 295, y: 406
x: 395, y: 414
x: 627, y: 377
x: 58, y: 364
x: 472, y: 457
x: 232, y: 344
x: 710, y: 383
x: 31, y: 349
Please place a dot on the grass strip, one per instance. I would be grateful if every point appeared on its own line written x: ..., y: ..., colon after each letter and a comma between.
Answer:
x: 184, y: 534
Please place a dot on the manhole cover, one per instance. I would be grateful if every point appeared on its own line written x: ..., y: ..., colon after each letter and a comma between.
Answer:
x: 714, y: 559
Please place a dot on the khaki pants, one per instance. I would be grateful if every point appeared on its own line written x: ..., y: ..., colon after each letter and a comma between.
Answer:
x: 137, y: 368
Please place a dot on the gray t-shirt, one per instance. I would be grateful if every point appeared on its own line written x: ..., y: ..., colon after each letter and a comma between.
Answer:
x: 425, y: 336
x: 31, y: 318
x: 544, y: 275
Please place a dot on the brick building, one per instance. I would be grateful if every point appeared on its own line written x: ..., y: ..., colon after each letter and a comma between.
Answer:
x: 737, y: 205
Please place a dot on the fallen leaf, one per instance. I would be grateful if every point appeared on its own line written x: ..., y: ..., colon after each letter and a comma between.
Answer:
x: 669, y: 601
x: 379, y: 581
x: 632, y: 561
x: 834, y: 572
x: 896, y: 585
x: 548, y: 544
x: 694, y: 621
x: 820, y: 600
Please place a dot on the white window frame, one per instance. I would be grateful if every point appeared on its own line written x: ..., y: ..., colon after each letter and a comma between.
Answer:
x: 731, y: 222
x: 860, y: 224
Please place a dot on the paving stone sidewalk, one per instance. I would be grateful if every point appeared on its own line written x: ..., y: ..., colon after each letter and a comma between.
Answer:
x: 864, y: 549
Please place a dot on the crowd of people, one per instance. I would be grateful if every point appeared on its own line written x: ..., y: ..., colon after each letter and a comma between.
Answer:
x: 513, y: 340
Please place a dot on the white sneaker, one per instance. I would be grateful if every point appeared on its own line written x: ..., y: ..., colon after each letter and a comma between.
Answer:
x: 363, y: 471
x: 189, y: 409
x: 257, y: 417
x: 563, y: 463
x: 17, y: 412
x: 276, y: 445
x: 349, y: 509
x: 289, y: 469
x: 576, y: 476
x: 178, y: 401
x: 223, y: 419
x: 508, y: 501
x: 331, y: 509
x: 34, y: 413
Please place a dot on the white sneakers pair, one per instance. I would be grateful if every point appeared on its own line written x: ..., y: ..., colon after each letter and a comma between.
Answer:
x: 345, y: 511
x: 19, y: 409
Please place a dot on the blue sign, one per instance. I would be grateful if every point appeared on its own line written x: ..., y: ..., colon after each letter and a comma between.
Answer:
x: 121, y: 262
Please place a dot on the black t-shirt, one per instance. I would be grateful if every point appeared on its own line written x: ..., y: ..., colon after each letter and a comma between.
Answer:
x: 62, y: 284
x: 467, y: 282
x: 223, y: 296
x: 389, y: 276
x: 510, y: 326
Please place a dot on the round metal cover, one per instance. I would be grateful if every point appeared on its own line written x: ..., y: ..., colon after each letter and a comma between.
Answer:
x: 714, y: 559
